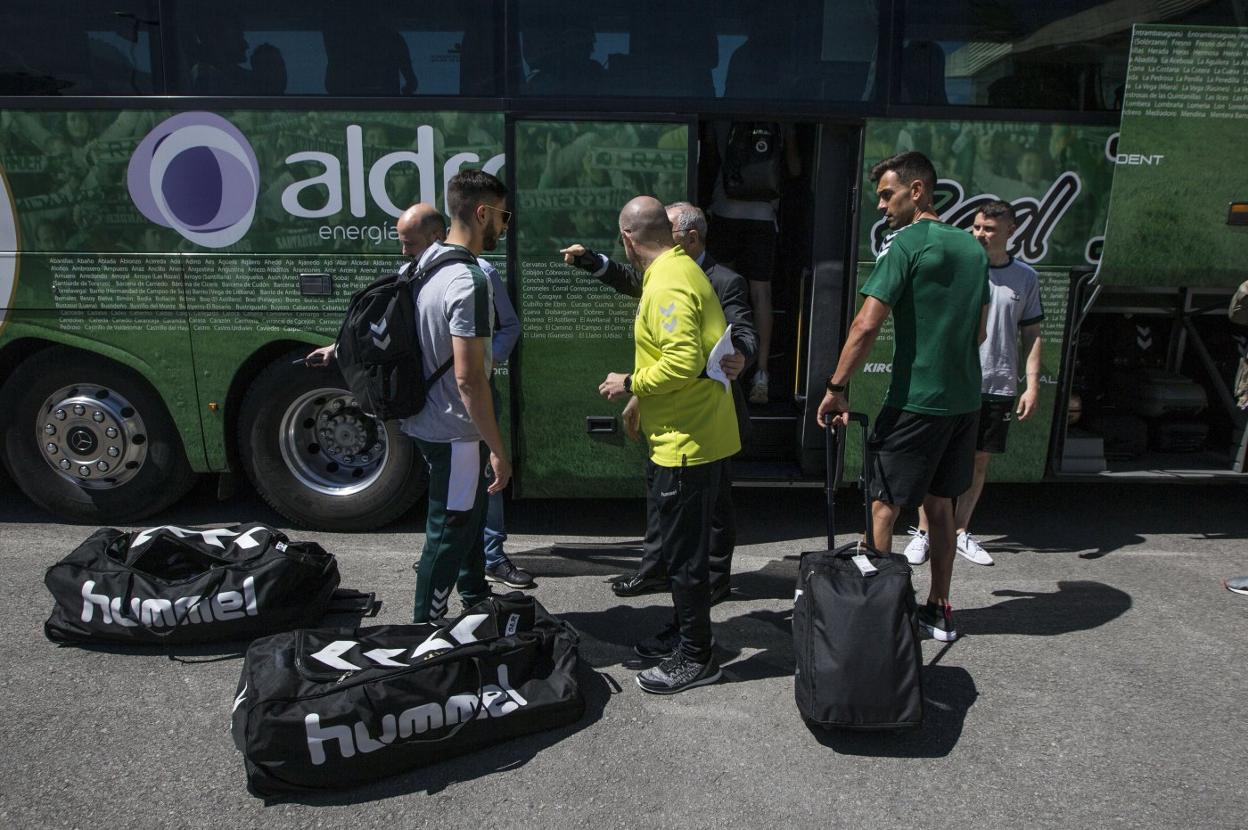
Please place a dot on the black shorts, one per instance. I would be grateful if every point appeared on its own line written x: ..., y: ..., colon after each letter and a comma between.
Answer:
x: 747, y: 246
x: 994, y: 423
x: 916, y: 455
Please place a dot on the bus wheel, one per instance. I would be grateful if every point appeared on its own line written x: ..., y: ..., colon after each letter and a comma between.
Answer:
x: 320, y: 461
x: 88, y: 440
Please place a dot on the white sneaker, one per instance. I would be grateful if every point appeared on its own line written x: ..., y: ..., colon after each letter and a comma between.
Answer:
x: 758, y: 392
x: 916, y: 548
x: 970, y: 547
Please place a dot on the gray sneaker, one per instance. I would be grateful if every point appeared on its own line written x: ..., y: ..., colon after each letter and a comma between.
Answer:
x: 1238, y: 584
x: 678, y: 673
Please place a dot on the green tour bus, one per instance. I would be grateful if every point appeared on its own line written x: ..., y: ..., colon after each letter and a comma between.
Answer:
x: 192, y: 191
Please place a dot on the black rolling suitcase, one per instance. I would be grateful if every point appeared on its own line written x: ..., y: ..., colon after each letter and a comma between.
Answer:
x: 855, y: 635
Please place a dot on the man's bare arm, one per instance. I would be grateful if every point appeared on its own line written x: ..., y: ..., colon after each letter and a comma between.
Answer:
x: 474, y: 391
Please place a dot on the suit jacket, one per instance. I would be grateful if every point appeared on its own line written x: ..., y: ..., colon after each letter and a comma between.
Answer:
x: 734, y: 296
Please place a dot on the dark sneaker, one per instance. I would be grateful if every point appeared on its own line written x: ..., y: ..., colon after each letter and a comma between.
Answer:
x: 662, y: 645
x: 678, y: 673
x: 508, y: 574
x: 937, y: 622
x: 637, y: 584
x: 720, y: 593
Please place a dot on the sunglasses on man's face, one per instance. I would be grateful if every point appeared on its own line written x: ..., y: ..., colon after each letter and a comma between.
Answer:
x: 506, y: 213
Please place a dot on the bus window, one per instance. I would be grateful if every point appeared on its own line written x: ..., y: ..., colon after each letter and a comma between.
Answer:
x: 1063, y: 55
x: 699, y: 49
x: 362, y: 49
x: 77, y: 48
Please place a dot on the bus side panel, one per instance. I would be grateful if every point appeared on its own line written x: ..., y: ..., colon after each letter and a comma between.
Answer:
x: 78, y: 264
x: 331, y: 186
x: 572, y: 179
x: 1057, y: 177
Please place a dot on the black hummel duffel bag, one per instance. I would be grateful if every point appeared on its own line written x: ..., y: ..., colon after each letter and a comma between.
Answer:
x: 179, y: 585
x: 326, y: 709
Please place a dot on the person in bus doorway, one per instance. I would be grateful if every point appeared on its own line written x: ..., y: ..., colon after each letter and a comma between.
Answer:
x: 933, y: 279
x: 690, y: 429
x: 1013, y: 313
x: 689, y: 232
x: 753, y: 160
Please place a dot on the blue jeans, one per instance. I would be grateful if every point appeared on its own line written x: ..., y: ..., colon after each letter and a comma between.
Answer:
x: 495, y: 535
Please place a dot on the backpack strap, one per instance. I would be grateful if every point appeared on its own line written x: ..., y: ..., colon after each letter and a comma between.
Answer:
x: 422, y: 275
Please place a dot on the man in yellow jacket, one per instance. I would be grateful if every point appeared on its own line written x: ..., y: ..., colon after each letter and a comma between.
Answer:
x: 690, y: 428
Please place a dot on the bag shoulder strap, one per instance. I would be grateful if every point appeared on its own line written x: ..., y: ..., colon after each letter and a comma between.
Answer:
x: 422, y: 275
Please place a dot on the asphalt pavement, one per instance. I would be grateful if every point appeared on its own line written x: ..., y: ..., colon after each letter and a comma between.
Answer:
x: 1100, y: 682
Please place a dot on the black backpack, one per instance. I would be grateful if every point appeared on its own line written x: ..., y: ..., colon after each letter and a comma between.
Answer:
x: 752, y: 161
x: 379, y: 350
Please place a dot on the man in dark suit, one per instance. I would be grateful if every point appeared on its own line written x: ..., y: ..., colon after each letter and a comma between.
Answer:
x: 689, y: 232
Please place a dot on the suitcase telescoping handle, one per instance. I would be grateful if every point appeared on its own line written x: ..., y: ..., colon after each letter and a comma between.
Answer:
x: 834, y: 468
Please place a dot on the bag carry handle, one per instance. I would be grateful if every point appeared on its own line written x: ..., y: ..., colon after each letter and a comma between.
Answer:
x: 834, y: 462
x: 349, y: 601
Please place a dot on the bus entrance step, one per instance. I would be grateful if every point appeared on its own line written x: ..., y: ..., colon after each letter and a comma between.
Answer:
x: 771, y: 474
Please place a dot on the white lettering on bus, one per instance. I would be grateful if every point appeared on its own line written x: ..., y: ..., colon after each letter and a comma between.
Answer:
x: 330, y: 178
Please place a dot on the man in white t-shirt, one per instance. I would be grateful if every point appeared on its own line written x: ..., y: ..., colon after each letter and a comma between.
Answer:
x: 1014, y: 313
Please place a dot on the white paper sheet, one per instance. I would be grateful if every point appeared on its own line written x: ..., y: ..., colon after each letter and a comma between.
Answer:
x: 722, y: 349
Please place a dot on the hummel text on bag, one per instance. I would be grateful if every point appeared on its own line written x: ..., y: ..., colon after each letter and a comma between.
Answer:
x: 494, y: 702
x: 164, y: 613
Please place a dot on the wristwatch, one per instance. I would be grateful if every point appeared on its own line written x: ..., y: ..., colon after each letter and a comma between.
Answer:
x: 834, y: 387
x: 628, y: 384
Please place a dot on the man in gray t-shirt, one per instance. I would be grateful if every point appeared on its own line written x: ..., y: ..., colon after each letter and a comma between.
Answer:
x: 457, y: 301
x: 456, y: 431
x: 1014, y: 312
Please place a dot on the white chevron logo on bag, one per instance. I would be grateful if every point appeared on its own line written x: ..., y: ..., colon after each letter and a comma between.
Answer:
x: 464, y: 631
x: 380, y: 339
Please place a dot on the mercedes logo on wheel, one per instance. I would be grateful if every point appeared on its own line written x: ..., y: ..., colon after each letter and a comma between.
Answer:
x: 82, y: 441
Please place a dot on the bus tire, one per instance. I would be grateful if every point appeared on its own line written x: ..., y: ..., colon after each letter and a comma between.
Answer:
x: 314, y: 457
x: 89, y: 440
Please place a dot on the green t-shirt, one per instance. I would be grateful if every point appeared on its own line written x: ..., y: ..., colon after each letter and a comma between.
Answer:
x: 935, y: 278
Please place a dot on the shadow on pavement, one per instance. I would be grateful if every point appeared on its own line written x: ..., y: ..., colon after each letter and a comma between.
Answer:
x: 1074, y: 606
x: 948, y: 694
x: 597, y: 689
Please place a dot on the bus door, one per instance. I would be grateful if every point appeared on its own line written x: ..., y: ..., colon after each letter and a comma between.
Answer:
x: 815, y: 221
x: 569, y: 178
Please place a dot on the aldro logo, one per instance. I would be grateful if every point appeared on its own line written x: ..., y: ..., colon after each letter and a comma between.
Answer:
x: 197, y: 174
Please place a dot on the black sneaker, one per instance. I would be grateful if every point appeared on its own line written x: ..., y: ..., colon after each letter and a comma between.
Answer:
x: 508, y: 574
x: 937, y: 622
x: 662, y: 645
x: 678, y: 673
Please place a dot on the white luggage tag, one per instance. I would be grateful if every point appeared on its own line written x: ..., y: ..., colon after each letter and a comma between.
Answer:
x: 864, y: 564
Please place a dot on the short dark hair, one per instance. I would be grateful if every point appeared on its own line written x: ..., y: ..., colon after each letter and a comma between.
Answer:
x: 998, y: 209
x: 908, y: 167
x: 468, y: 188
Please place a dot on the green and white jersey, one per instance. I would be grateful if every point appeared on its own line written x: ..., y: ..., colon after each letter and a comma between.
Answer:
x: 935, y: 278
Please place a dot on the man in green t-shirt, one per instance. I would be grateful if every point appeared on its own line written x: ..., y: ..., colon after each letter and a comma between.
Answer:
x: 933, y: 279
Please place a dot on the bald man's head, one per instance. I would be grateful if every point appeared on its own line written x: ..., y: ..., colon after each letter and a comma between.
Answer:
x: 419, y: 227
x: 644, y: 220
